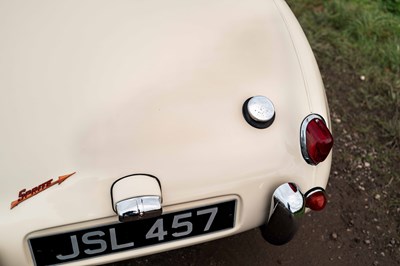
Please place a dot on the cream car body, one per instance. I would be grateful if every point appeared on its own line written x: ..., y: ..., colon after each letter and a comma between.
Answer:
x: 107, y: 89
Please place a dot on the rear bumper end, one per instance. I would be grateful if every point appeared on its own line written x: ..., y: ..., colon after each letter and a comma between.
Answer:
x: 287, y: 206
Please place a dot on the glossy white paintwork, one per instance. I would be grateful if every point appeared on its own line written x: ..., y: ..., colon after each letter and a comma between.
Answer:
x: 112, y: 88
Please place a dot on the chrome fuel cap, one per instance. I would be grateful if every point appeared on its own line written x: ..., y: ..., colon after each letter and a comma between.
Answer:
x: 259, y: 111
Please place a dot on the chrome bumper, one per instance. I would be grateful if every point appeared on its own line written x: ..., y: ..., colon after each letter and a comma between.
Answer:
x: 287, y: 205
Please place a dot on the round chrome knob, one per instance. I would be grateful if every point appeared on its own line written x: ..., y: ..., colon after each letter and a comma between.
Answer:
x: 259, y: 111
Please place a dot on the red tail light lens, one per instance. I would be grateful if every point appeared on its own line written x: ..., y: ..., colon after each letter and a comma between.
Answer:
x: 319, y: 141
x: 316, y: 199
x: 316, y: 140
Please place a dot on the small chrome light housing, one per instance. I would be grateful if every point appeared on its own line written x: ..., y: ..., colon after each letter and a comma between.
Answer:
x: 315, y: 139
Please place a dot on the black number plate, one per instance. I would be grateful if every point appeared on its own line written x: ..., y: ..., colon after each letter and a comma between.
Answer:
x: 88, y: 243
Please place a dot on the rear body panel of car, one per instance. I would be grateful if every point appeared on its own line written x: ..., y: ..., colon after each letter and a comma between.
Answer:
x: 107, y: 89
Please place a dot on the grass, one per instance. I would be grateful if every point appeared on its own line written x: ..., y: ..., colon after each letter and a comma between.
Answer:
x: 364, y: 38
x: 357, y: 46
